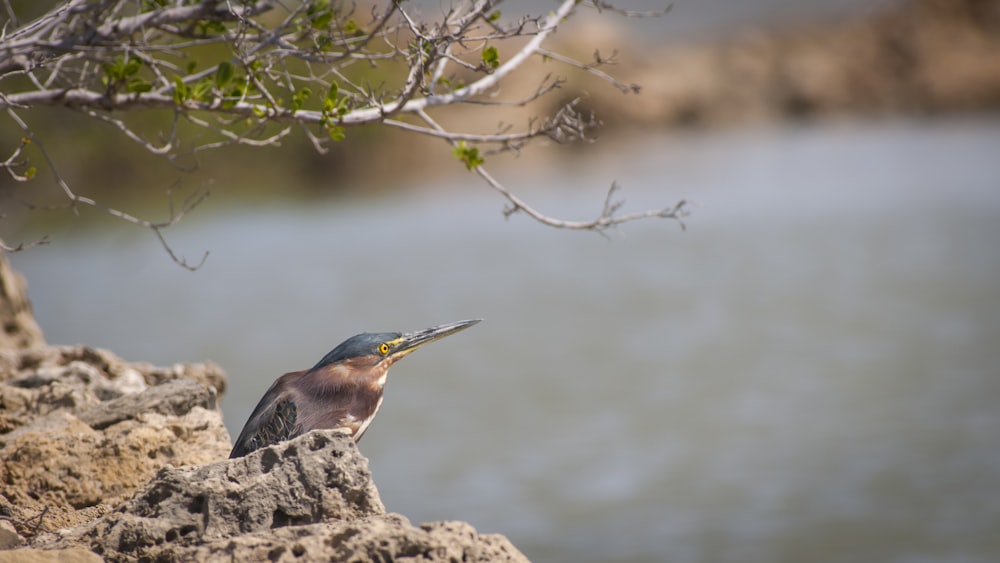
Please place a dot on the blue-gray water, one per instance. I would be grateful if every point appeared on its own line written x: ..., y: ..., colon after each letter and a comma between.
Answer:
x: 810, y: 373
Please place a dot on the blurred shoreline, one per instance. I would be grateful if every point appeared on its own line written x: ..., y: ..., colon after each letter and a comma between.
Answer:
x: 923, y: 57
x: 920, y: 58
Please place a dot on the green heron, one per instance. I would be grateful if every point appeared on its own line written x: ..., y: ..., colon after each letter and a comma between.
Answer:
x: 343, y: 391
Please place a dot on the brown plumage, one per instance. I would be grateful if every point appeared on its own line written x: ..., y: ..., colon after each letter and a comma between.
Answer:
x: 343, y: 391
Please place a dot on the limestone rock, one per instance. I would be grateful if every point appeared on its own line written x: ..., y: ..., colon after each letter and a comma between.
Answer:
x: 37, y: 366
x: 81, y: 430
x: 306, y: 499
x: 294, y: 483
x: 102, y: 459
x: 389, y: 538
x: 50, y: 556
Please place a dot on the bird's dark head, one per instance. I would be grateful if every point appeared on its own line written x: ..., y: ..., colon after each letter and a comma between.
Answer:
x: 379, y: 347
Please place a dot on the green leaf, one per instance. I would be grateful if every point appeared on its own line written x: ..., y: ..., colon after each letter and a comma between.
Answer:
x: 342, y: 106
x: 138, y: 86
x: 494, y: 16
x: 211, y: 27
x: 322, y: 21
x: 299, y: 98
x: 336, y: 133
x: 491, y: 58
x: 182, y: 92
x: 233, y: 95
x: 202, y: 89
x: 223, y: 74
x: 191, y: 66
x: 320, y: 14
x: 131, y: 67
x: 30, y: 172
x: 333, y: 92
x: 468, y: 155
x: 118, y: 71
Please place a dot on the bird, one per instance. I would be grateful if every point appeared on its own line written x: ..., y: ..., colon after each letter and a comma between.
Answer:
x: 343, y: 391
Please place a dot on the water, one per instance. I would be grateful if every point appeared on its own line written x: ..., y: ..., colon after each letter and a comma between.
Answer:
x: 810, y: 373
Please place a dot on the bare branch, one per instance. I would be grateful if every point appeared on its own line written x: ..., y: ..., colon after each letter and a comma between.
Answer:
x: 315, y: 66
x: 625, y: 88
x: 603, y: 6
x: 604, y: 221
x: 75, y: 200
x: 24, y: 245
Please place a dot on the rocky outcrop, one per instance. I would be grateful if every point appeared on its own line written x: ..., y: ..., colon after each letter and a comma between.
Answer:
x: 122, y: 460
x: 307, y: 499
x: 81, y: 430
x: 103, y: 457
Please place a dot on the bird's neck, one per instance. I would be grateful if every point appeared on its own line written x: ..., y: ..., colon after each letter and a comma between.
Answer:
x: 338, y: 378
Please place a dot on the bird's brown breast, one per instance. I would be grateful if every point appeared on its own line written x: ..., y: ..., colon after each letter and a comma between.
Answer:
x: 340, y: 396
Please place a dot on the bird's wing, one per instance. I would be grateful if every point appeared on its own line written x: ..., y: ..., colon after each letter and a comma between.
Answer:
x: 275, y: 419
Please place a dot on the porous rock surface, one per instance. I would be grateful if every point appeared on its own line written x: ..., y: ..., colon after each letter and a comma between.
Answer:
x: 119, y: 461
x: 308, y: 499
x: 81, y: 430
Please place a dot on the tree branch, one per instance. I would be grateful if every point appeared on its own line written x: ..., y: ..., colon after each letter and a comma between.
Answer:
x: 76, y: 200
x: 605, y: 220
x: 311, y: 65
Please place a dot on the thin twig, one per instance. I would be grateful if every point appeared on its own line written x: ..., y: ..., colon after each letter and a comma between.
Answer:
x: 24, y: 245
x: 75, y: 200
x: 624, y: 88
x: 605, y: 220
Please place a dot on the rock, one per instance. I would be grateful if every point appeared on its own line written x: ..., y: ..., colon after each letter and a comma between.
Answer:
x: 81, y: 430
x: 50, y: 556
x: 106, y: 460
x: 19, y: 329
x: 174, y: 398
x: 9, y: 538
x: 389, y: 538
x: 51, y: 363
x: 306, y: 499
x: 273, y: 488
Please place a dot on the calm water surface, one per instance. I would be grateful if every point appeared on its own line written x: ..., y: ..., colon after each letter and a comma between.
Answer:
x: 810, y: 373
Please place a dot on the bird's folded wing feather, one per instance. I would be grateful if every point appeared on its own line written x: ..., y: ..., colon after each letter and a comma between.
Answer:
x: 272, y: 422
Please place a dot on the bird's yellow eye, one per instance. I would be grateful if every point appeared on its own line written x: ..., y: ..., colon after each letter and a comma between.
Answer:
x: 383, y: 348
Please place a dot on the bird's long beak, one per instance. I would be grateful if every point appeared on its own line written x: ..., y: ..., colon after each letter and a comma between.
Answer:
x: 412, y: 340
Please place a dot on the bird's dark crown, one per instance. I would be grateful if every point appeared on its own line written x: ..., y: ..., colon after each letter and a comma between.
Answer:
x: 364, y: 344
